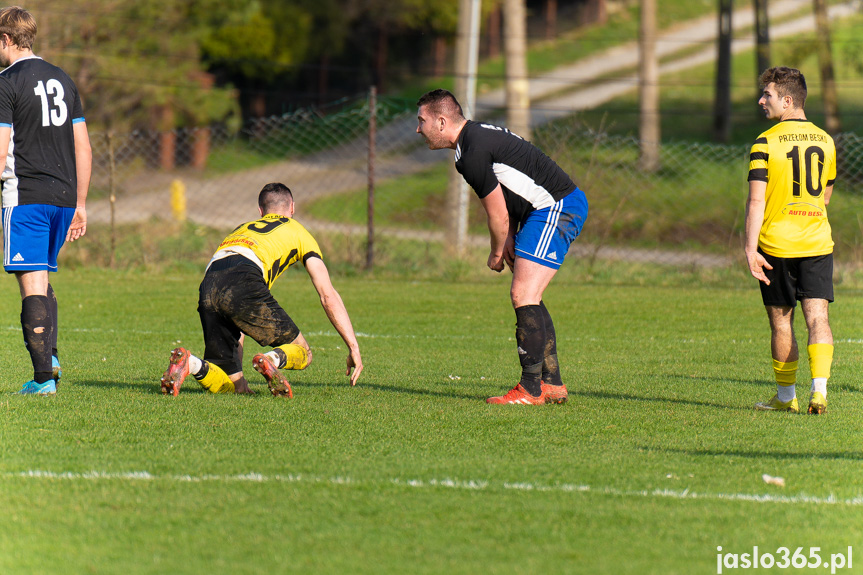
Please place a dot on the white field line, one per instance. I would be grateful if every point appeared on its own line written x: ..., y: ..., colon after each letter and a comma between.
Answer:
x: 467, y: 485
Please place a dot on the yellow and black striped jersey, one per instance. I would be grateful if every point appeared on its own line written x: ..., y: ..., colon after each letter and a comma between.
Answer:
x: 273, y: 242
x: 797, y: 159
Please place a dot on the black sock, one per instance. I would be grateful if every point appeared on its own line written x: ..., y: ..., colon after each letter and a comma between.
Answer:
x: 52, y: 299
x: 550, y: 367
x: 205, y: 369
x: 37, y: 327
x: 283, y: 357
x: 530, y: 337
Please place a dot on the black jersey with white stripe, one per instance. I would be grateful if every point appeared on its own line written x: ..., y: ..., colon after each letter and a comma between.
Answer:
x: 488, y: 155
x: 40, y: 103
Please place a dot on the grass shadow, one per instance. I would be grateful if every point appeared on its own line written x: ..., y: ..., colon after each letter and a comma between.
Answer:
x: 858, y: 456
x: 654, y: 399
x: 421, y: 391
x: 758, y: 382
x: 261, y: 387
x: 740, y: 381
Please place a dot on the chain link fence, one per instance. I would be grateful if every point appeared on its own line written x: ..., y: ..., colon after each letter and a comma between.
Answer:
x: 162, y: 197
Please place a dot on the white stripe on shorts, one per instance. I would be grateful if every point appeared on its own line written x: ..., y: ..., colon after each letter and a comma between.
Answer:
x: 548, y: 231
x: 6, y: 237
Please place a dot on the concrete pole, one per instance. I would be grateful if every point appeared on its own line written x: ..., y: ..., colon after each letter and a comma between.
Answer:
x: 466, y: 62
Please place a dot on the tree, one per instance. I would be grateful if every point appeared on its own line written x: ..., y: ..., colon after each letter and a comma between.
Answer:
x: 596, y: 11
x: 248, y: 45
x: 550, y: 12
x: 127, y: 73
x: 331, y: 24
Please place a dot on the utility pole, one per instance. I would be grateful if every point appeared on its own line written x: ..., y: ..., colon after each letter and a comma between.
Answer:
x: 648, y: 89
x: 515, y: 51
x: 466, y: 61
x: 722, y: 103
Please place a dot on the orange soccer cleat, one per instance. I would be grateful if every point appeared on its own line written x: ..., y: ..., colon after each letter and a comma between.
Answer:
x: 277, y: 382
x: 519, y: 395
x: 554, y: 393
x: 178, y: 370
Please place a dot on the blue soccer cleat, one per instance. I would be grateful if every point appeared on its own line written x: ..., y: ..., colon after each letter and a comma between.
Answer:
x: 56, y: 372
x: 33, y: 388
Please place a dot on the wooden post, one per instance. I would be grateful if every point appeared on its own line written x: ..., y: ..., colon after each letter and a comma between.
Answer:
x: 200, y: 148
x: 112, y: 198
x: 648, y: 89
x: 825, y: 64
x: 515, y: 50
x: 762, y: 39
x: 373, y: 122
x: 167, y: 139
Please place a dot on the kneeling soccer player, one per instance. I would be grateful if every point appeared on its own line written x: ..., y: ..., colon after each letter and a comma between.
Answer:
x: 235, y: 300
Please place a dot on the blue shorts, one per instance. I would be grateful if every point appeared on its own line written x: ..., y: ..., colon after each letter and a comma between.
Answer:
x: 546, y: 235
x: 33, y: 235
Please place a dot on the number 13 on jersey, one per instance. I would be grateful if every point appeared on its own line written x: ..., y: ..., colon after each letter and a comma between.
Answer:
x: 53, y: 111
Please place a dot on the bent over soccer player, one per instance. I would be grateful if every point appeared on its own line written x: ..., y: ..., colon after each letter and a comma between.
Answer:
x: 535, y: 211
x: 46, y: 151
x: 235, y: 299
x: 789, y: 244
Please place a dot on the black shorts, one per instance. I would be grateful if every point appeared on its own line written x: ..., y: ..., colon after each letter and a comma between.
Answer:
x: 793, y: 279
x: 234, y: 299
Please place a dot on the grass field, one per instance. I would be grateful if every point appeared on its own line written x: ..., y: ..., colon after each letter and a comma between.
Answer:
x: 656, y: 460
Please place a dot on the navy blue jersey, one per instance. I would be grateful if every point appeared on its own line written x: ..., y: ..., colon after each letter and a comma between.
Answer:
x: 40, y: 103
x: 488, y: 155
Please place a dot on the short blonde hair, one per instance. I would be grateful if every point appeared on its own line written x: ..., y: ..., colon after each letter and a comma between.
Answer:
x: 19, y: 25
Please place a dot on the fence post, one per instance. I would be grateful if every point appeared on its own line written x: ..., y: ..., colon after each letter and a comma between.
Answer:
x: 373, y: 120
x: 112, y: 197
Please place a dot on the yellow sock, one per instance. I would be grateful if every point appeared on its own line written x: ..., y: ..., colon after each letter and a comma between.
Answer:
x: 216, y: 380
x: 785, y: 372
x: 820, y: 359
x: 297, y: 356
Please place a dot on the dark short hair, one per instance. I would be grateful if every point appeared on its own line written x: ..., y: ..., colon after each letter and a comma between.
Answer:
x: 19, y: 25
x: 788, y: 82
x: 273, y: 196
x: 441, y: 102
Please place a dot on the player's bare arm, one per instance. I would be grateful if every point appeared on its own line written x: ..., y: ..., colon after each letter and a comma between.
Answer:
x: 509, y: 246
x: 83, y: 169
x: 828, y: 193
x: 336, y: 312
x: 755, y: 205
x: 5, y: 138
x: 498, y: 227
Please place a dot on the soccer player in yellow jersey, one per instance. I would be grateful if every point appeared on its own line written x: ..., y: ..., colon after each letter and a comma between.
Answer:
x: 789, y: 247
x: 235, y: 301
